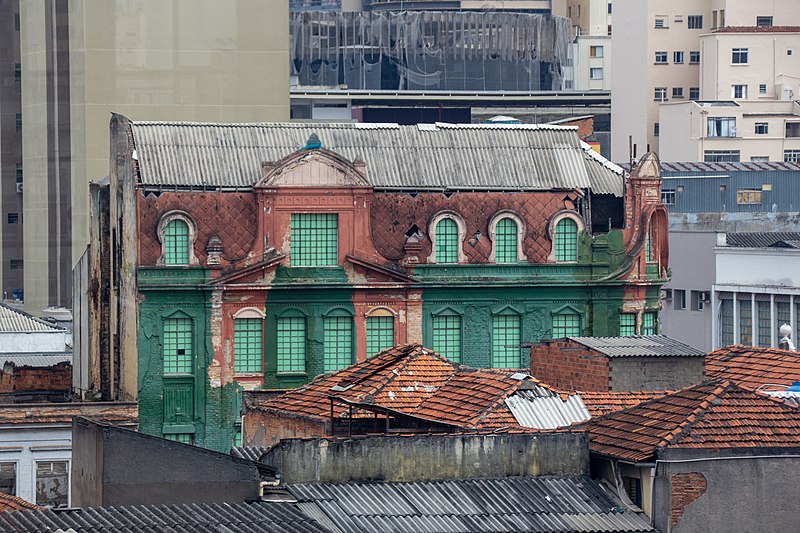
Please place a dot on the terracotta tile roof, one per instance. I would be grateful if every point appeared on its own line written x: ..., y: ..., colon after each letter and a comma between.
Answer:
x: 758, y: 29
x: 752, y: 367
x: 15, y: 503
x: 713, y: 415
x: 601, y: 403
x: 63, y: 413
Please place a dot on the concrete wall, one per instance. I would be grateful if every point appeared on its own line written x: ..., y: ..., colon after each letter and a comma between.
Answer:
x: 33, y: 342
x: 116, y: 466
x: 654, y: 373
x: 430, y: 457
x: 749, y: 493
x: 761, y: 266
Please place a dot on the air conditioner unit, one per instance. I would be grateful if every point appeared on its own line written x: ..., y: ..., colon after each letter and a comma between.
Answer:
x: 704, y: 297
x: 19, y: 187
x: 666, y: 294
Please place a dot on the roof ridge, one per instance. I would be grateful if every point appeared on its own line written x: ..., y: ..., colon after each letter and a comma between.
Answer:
x: 697, y: 414
x: 497, y: 401
x: 29, y: 316
x: 413, y: 356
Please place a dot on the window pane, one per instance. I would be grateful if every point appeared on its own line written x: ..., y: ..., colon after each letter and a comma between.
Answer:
x: 648, y: 323
x: 380, y: 334
x: 314, y: 239
x: 176, y: 243
x: 726, y: 322
x: 291, y: 344
x: 52, y: 483
x: 8, y: 478
x: 745, y: 322
x: 506, y: 338
x: 566, y: 325
x: 782, y: 311
x: 447, y: 337
x: 185, y: 438
x: 764, y: 324
x: 178, y: 345
x: 506, y: 245
x: 247, y: 342
x: 447, y: 241
x: 337, y: 342
x: 627, y: 324
x: 566, y: 240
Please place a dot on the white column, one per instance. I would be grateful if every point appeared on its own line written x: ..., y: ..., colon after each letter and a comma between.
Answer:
x: 773, y: 322
x: 753, y: 321
x: 736, y: 339
x: 715, y: 310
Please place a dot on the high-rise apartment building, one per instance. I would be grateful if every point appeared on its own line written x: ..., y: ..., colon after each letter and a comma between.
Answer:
x: 78, y: 61
x: 591, y: 50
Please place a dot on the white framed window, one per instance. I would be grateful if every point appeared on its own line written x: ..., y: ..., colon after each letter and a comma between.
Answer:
x: 762, y: 128
x: 762, y: 88
x: 722, y: 126
x: 177, y: 233
x: 661, y: 58
x: 721, y: 156
x: 660, y: 94
x: 760, y: 159
x: 739, y: 92
x: 565, y: 229
x: 677, y: 57
x: 694, y: 57
x: 677, y: 92
x: 739, y: 56
x: 694, y: 93
x: 447, y: 233
x: 595, y: 51
x: 596, y: 73
x: 764, y: 21
x: 661, y: 22
x: 791, y: 156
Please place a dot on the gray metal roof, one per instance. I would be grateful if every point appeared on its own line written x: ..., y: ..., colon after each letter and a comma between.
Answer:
x: 17, y: 321
x: 202, y: 518
x: 251, y: 453
x: 762, y: 239
x: 544, y: 409
x: 35, y: 359
x: 744, y: 166
x: 542, y: 504
x: 639, y: 346
x: 421, y: 157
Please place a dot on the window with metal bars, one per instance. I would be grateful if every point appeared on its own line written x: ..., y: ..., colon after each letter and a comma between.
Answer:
x: 176, y: 243
x: 247, y: 344
x: 291, y: 339
x: 726, y: 322
x: 447, y: 336
x: 505, y: 241
x: 178, y: 346
x: 314, y: 239
x: 380, y: 334
x: 566, y: 325
x: 745, y: 322
x: 506, y: 339
x: 764, y: 324
x: 566, y: 240
x: 649, y: 322
x: 185, y: 438
x: 337, y: 351
x: 627, y: 324
x: 447, y: 241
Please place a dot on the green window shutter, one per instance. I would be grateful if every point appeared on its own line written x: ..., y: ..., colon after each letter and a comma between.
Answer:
x: 291, y: 334
x: 447, y: 336
x: 176, y: 243
x: 178, y: 346
x: 247, y: 343
x: 566, y: 325
x: 380, y: 334
x: 648, y: 323
x: 627, y: 324
x: 447, y: 241
x: 314, y: 239
x: 566, y: 240
x: 506, y: 338
x: 506, y: 241
x: 185, y: 438
x: 337, y: 342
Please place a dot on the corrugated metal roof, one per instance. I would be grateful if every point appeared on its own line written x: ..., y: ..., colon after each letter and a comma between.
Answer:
x: 543, y: 504
x: 251, y: 453
x: 35, y: 359
x: 760, y: 239
x: 744, y: 166
x: 14, y: 320
x: 639, y: 346
x: 546, y: 409
x: 422, y: 157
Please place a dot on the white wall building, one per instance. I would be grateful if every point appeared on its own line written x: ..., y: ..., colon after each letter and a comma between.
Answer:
x: 23, y: 333
x: 591, y: 50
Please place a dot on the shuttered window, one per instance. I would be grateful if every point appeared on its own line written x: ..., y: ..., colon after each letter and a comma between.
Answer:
x: 247, y: 343
x: 178, y: 346
x: 380, y: 334
x: 506, y: 241
x: 176, y: 243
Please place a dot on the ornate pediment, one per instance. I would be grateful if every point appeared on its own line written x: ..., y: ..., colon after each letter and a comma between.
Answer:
x: 315, y: 167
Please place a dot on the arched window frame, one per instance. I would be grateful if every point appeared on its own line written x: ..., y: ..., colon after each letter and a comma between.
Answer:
x: 327, y: 317
x: 379, y: 312
x: 302, y: 355
x: 249, y: 313
x: 162, y: 227
x: 521, y: 232
x: 462, y: 235
x: 558, y: 217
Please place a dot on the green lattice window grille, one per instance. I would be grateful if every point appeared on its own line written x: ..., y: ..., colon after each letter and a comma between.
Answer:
x: 380, y: 334
x: 648, y: 245
x: 176, y: 243
x: 178, y: 346
x: 649, y: 323
x: 185, y: 438
x: 745, y: 322
x: 726, y: 322
x: 291, y: 338
x: 447, y: 241
x: 764, y: 324
x: 247, y: 344
x: 314, y: 239
x: 447, y: 336
x: 627, y: 324
x: 506, y: 340
x: 566, y: 240
x: 505, y: 235
x: 566, y: 325
x: 337, y: 342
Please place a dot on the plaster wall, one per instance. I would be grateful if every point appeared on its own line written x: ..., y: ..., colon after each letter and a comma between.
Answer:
x: 743, y: 13
x: 25, y: 445
x: 34, y: 342
x: 757, y: 266
x: 654, y: 373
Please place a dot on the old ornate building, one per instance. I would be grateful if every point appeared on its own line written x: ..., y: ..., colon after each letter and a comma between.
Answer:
x: 263, y: 255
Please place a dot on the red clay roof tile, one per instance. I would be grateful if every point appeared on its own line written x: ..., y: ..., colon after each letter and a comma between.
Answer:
x: 15, y: 503
x: 600, y: 403
x: 751, y: 366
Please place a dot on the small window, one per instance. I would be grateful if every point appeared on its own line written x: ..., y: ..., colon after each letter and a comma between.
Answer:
x: 314, y: 239
x: 762, y: 88
x: 52, y: 483
x: 694, y: 93
x: 661, y: 58
x: 694, y: 57
x: 506, y: 340
x: 677, y: 57
x: 596, y: 51
x: 764, y: 21
x: 609, y: 8
x: 722, y: 127
x: 648, y: 246
x: 649, y: 322
x: 656, y: 129
x: 19, y: 173
x: 291, y: 340
x: 668, y: 196
x: 739, y: 56
x: 748, y: 196
x: 337, y: 342
x: 566, y: 325
x: 19, y: 123
x: 661, y: 22
x: 566, y: 242
x: 447, y: 241
x: 627, y: 324
x: 679, y: 299
x: 506, y: 241
x: 13, y: 218
x: 17, y: 72
x: 247, y: 344
x: 596, y: 73
x: 660, y: 94
x: 760, y: 159
x: 184, y: 438
x: 762, y: 128
x: 677, y: 92
x: 16, y: 264
x: 791, y: 156
x: 380, y: 334
x: 721, y: 156
x: 609, y: 29
x: 695, y: 22
x: 447, y: 336
x: 8, y: 478
x: 793, y: 129
x: 699, y: 300
x: 739, y: 92
x: 16, y: 21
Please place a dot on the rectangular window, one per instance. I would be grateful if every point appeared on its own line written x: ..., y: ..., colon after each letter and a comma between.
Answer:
x: 247, y: 342
x: 566, y: 325
x: 739, y: 91
x: 695, y: 22
x: 739, y: 56
x: 16, y: 21
x: 16, y: 264
x: 609, y: 8
x: 661, y: 22
x: 698, y: 300
x: 337, y: 342
x: 596, y: 73
x: 677, y: 57
x: 722, y: 127
x: 314, y: 239
x: 506, y: 338
x: 764, y: 21
x: 447, y: 336
x: 13, y: 218
x: 19, y: 123
x: 380, y: 334
x: 660, y: 94
x: 17, y: 72
x: 745, y: 322
x: 694, y: 57
x: 668, y: 196
x: 291, y: 333
x: 721, y: 156
x: 8, y: 478
x: 447, y: 241
x: 762, y: 128
x: 52, y: 483
x: 661, y: 58
x: 791, y: 156
x: 762, y: 88
x: 764, y: 324
x: 649, y: 322
x: 185, y: 438
x: 506, y: 241
x: 793, y: 129
x: 748, y: 196
x: 677, y: 92
x: 566, y: 240
x: 178, y: 346
x: 176, y: 243
x: 609, y: 29
x: 656, y: 129
x: 759, y: 159
x: 19, y: 173
x: 782, y: 312
x: 627, y: 324
x: 595, y: 51
x: 694, y: 93
x: 679, y: 299
x: 726, y: 322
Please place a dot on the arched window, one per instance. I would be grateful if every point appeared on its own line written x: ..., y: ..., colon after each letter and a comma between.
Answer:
x: 178, y: 343
x: 380, y: 331
x: 506, y: 241
x: 566, y: 240
x: 177, y: 233
x: 446, y: 241
x: 248, y: 336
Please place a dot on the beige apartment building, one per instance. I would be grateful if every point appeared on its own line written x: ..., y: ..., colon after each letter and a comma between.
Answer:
x: 591, y: 50
x: 186, y: 60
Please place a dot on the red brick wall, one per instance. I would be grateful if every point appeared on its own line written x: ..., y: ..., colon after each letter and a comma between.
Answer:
x: 568, y: 365
x: 56, y: 378
x: 585, y: 126
x: 261, y: 428
x: 686, y: 488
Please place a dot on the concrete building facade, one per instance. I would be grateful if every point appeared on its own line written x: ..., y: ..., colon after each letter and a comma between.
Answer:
x: 591, y: 50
